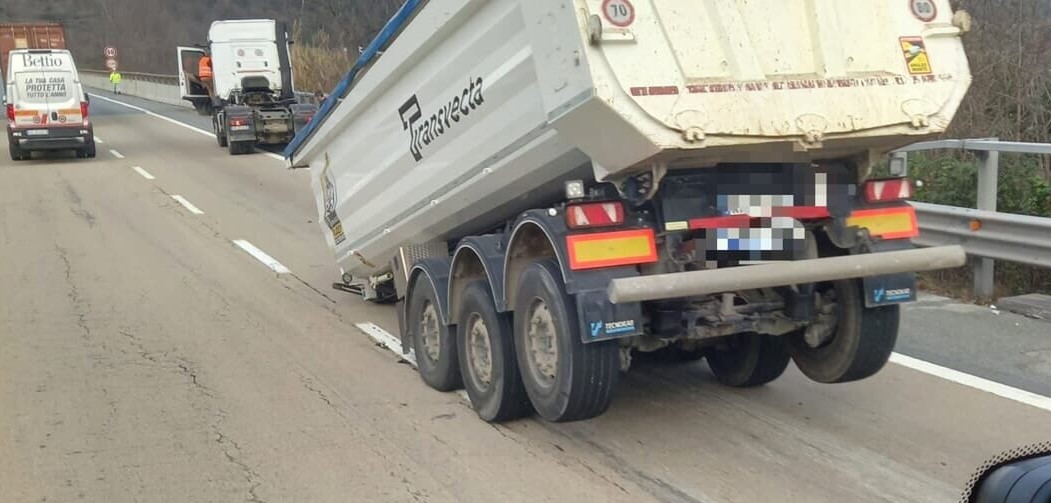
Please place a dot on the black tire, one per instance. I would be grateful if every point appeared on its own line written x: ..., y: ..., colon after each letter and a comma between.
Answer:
x: 241, y: 147
x: 584, y: 376
x: 88, y: 152
x: 17, y: 154
x: 220, y: 137
x: 862, y: 343
x: 497, y: 393
x: 438, y: 366
x: 750, y: 360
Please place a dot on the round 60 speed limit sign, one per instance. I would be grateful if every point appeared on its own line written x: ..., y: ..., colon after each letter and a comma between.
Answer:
x: 619, y: 12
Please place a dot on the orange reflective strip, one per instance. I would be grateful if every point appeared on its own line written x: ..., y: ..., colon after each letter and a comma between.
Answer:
x: 898, y: 222
x: 611, y: 249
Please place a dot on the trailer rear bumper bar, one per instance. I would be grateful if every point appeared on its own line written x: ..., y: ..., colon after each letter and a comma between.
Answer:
x: 734, y: 279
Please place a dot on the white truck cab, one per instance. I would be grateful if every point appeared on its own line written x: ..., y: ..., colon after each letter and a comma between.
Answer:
x: 47, y: 108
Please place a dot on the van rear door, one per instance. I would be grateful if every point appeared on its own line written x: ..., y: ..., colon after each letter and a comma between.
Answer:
x: 46, y: 91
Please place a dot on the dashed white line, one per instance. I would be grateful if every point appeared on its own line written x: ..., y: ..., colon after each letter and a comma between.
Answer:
x: 975, y: 382
x: 116, y: 154
x: 261, y: 256
x: 98, y: 140
x: 188, y: 205
x: 182, y: 124
x: 145, y: 174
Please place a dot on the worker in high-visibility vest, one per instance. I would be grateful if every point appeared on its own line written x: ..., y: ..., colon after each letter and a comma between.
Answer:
x: 204, y: 72
x: 115, y: 78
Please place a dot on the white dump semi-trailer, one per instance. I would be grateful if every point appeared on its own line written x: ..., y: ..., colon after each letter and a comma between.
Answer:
x: 547, y: 187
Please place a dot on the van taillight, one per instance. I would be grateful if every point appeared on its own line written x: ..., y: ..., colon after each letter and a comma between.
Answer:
x: 10, y: 112
x: 84, y: 109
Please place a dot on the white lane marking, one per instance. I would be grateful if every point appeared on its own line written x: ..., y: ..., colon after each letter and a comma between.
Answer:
x: 154, y: 114
x: 145, y: 174
x: 183, y: 124
x: 392, y: 343
x: 98, y: 140
x: 389, y: 341
x: 116, y: 154
x: 261, y: 256
x: 188, y: 205
x: 978, y: 383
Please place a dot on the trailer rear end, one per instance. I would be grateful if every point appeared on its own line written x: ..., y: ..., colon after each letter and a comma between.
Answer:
x: 29, y: 36
x: 548, y: 188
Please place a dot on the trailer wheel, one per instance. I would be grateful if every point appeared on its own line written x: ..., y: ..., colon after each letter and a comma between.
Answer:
x: 487, y: 358
x: 566, y: 379
x: 860, y: 343
x: 435, y: 347
x: 750, y: 360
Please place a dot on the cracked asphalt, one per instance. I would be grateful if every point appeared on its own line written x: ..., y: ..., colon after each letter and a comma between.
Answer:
x: 145, y: 357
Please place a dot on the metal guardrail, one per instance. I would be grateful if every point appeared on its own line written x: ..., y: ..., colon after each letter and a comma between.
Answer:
x: 144, y: 77
x: 984, y: 232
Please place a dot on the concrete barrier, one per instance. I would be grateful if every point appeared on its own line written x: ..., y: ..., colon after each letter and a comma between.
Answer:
x: 159, y: 88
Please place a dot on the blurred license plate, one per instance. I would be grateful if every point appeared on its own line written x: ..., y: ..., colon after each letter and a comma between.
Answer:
x: 37, y: 132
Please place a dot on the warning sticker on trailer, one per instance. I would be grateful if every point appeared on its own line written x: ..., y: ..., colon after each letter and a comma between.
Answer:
x: 916, y: 57
x: 620, y: 13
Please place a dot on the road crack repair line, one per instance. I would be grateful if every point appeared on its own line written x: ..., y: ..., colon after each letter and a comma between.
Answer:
x: 81, y: 308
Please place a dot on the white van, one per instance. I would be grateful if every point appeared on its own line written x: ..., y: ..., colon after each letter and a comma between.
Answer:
x: 47, y: 108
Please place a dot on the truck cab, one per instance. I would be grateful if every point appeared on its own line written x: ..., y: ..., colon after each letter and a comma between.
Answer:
x: 254, y: 100
x: 47, y: 108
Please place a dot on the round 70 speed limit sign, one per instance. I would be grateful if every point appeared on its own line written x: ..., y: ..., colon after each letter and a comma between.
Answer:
x: 619, y: 12
x: 924, y: 10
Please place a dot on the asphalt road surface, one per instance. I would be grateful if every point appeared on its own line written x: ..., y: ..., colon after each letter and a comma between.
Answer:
x: 168, y: 333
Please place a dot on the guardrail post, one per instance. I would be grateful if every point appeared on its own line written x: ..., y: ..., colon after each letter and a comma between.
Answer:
x: 988, y: 174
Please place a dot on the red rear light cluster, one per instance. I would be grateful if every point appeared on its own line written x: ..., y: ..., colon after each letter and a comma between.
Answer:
x: 238, y: 122
x: 590, y: 215
x: 11, y: 112
x: 888, y: 190
x: 84, y: 109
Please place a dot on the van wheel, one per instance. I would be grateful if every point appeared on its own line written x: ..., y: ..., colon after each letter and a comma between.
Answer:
x: 749, y: 360
x: 17, y: 154
x: 435, y: 347
x: 860, y: 341
x: 486, y: 346
x: 88, y: 152
x: 566, y: 379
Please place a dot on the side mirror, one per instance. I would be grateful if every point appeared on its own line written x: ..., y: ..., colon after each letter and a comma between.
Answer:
x: 1021, y: 475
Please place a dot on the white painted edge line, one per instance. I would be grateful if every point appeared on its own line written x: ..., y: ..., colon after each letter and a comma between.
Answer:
x: 145, y: 174
x: 392, y: 343
x: 177, y: 123
x: 261, y: 256
x: 188, y: 205
x: 98, y: 140
x: 116, y: 154
x: 978, y: 383
x: 155, y: 114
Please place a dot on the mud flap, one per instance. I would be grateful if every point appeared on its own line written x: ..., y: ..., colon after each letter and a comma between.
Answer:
x: 892, y: 288
x: 602, y: 320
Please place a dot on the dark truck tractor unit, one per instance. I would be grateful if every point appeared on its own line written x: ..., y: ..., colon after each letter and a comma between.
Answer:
x: 253, y: 99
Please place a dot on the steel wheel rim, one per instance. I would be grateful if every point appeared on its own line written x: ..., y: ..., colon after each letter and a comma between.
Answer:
x: 541, y: 343
x: 479, y: 352
x: 429, y: 332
